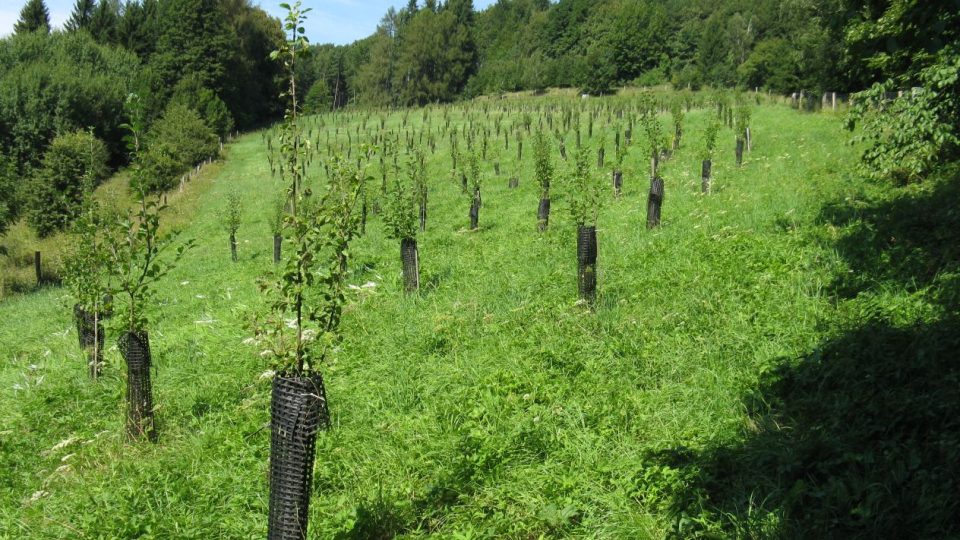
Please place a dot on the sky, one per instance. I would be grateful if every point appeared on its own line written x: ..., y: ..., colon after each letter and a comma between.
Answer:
x: 331, y: 21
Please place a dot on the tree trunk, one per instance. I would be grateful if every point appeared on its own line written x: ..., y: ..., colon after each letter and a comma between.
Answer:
x: 423, y: 213
x: 363, y: 214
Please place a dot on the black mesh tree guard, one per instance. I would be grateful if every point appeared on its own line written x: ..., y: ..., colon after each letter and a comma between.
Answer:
x: 617, y: 182
x: 475, y: 212
x: 654, y: 202
x: 90, y: 335
x: 543, y: 214
x: 135, y: 348
x: 587, y: 262
x: 705, y: 173
x: 410, y: 258
x: 298, y: 411
x: 739, y: 151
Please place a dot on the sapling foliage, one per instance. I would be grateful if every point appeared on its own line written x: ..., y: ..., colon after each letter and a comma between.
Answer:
x: 654, y: 132
x: 135, y: 266
x: 585, y: 190
x: 542, y: 164
x: 400, y: 217
x: 475, y: 182
x: 309, y: 290
x: 230, y: 218
x: 677, y: 114
x: 710, y: 138
x: 400, y: 210
x: 543, y: 171
x: 87, y: 276
x: 134, y: 258
x: 742, y: 116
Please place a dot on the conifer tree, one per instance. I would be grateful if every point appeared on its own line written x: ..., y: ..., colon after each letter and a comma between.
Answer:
x: 80, y: 18
x: 34, y: 17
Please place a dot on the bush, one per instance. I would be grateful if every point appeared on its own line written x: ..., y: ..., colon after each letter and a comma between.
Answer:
x: 52, y: 84
x: 773, y: 64
x: 191, y: 93
x: 318, y: 99
x: 9, y: 200
x: 909, y: 137
x: 74, y: 164
x: 176, y: 142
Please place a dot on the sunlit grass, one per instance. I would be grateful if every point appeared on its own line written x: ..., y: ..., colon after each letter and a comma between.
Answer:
x: 491, y: 403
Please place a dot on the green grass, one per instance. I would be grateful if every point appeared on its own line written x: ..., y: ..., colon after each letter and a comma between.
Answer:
x: 491, y: 404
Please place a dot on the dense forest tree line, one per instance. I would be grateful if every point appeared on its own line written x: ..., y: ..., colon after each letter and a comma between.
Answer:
x: 200, y: 68
x: 438, y: 51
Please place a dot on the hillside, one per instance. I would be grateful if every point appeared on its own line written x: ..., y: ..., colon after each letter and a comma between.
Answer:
x: 492, y: 404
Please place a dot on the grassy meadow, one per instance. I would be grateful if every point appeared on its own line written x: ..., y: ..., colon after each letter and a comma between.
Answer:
x: 736, y: 379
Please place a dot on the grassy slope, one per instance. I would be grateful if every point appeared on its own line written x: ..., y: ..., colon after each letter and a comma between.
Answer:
x: 17, y: 246
x: 491, y: 403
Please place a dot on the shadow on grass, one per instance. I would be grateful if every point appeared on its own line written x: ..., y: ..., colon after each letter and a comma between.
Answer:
x: 861, y: 437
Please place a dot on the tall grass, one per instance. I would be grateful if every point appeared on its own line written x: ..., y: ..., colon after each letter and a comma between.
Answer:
x: 488, y: 405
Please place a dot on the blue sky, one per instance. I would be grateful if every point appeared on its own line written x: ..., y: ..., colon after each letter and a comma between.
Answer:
x: 336, y: 21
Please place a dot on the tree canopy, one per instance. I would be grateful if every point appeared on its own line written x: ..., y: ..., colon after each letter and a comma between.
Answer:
x: 34, y: 17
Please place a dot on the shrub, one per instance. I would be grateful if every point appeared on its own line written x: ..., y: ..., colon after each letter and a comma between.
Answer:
x: 909, y: 137
x: 543, y: 167
x: 400, y: 212
x: 318, y: 98
x: 191, y: 93
x: 773, y: 64
x: 9, y: 193
x: 53, y: 84
x: 586, y: 191
x: 710, y: 138
x: 75, y: 163
x: 176, y: 142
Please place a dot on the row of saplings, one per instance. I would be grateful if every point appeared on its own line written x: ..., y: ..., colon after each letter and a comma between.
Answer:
x: 118, y: 263
x: 407, y: 199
